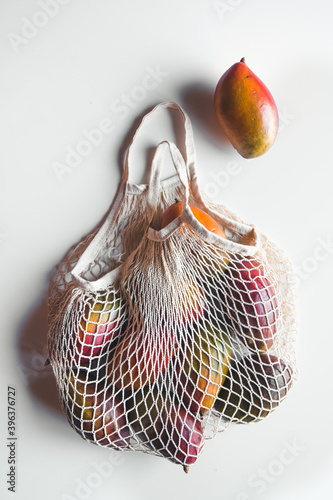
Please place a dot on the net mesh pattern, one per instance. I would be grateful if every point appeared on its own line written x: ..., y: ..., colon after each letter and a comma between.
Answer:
x: 189, y: 338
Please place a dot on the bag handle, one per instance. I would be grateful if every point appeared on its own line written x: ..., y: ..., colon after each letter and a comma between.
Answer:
x: 154, y: 185
x: 153, y: 193
x: 190, y: 154
x: 184, y: 164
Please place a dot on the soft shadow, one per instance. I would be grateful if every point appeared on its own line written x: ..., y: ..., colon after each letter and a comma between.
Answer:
x: 31, y: 344
x: 198, y: 100
x: 31, y: 341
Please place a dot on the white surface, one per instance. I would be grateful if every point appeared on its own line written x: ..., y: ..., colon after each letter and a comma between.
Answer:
x: 68, y: 77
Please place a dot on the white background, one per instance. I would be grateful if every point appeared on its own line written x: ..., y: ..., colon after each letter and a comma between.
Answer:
x: 63, y: 78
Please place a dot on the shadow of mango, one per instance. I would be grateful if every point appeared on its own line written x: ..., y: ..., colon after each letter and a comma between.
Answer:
x: 198, y: 100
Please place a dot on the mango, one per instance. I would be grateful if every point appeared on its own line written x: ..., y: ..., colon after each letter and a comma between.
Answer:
x: 201, y: 370
x: 99, y: 324
x: 255, y: 386
x: 165, y: 427
x: 141, y: 357
x: 249, y: 304
x: 246, y: 111
x: 97, y: 414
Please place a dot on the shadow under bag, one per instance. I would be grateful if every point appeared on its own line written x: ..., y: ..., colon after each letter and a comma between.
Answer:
x: 173, y: 320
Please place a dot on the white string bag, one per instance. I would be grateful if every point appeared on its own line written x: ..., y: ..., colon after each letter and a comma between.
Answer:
x: 161, y: 337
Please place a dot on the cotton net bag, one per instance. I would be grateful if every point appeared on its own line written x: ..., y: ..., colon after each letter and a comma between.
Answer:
x: 173, y: 320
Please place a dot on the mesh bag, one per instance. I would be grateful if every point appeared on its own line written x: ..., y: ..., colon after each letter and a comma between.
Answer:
x: 166, y: 325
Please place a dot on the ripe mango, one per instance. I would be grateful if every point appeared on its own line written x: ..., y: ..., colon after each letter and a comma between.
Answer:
x: 165, y: 427
x: 255, y: 386
x: 249, y: 304
x: 141, y: 357
x: 99, y: 324
x: 246, y: 111
x: 97, y: 414
x: 201, y: 370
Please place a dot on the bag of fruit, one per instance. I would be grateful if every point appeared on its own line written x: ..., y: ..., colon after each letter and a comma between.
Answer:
x: 173, y: 320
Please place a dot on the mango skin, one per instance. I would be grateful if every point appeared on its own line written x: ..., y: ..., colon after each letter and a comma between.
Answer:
x: 165, y: 427
x: 255, y: 387
x: 201, y: 370
x: 246, y: 111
